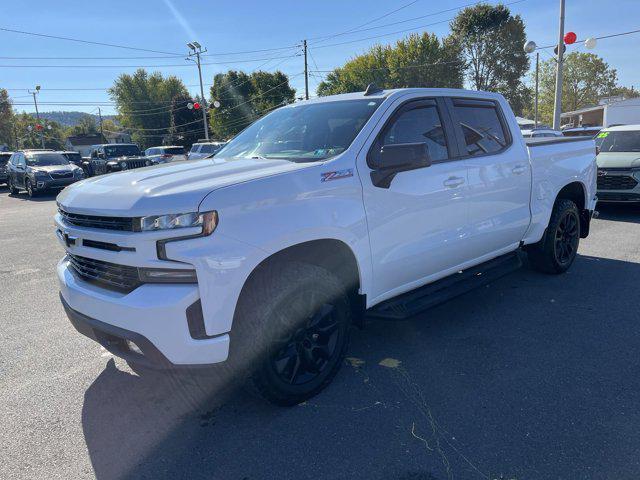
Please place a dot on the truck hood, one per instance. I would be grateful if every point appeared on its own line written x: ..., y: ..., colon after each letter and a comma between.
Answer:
x: 618, y: 160
x: 168, y: 188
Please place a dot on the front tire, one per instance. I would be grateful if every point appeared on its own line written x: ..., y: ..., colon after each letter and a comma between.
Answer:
x: 29, y: 187
x: 293, y: 331
x: 12, y: 190
x: 557, y: 250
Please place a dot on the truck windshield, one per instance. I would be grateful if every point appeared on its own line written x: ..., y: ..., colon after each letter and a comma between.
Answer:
x: 45, y: 159
x: 122, y: 151
x: 305, y: 132
x: 627, y: 141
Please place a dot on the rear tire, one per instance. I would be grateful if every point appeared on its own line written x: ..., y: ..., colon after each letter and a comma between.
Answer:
x: 291, y: 332
x: 557, y: 250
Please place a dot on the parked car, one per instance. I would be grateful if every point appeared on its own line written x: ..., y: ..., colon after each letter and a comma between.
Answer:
x: 619, y: 164
x: 4, y: 159
x: 541, y: 132
x: 114, y: 157
x: 590, y: 132
x: 203, y: 150
x: 317, y: 212
x: 38, y: 170
x: 73, y: 157
x: 165, y: 154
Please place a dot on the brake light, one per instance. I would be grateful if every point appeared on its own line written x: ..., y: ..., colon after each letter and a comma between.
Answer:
x: 166, y: 155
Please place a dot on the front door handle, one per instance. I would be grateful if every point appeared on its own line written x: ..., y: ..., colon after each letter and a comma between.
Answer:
x: 519, y: 169
x: 453, y: 182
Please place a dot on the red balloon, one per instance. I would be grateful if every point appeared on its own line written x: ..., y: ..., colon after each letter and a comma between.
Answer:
x: 570, y: 38
x: 196, y: 105
x: 38, y: 126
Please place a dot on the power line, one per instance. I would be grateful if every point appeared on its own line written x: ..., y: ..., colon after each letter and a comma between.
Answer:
x: 419, y: 27
x: 148, y: 66
x: 597, y: 38
x: 327, y: 37
x: 69, y: 39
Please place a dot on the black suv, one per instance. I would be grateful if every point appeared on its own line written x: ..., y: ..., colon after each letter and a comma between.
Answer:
x: 37, y: 171
x: 114, y: 157
x: 4, y: 159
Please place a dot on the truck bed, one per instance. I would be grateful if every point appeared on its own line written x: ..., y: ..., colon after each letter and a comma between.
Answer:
x: 535, y: 142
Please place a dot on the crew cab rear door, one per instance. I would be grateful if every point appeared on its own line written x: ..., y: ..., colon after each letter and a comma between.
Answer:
x: 417, y: 223
x: 499, y: 176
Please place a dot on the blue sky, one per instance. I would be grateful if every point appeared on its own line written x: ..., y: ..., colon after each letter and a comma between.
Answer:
x: 225, y: 26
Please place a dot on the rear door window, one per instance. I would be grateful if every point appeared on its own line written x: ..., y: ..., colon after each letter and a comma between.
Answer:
x: 482, y: 127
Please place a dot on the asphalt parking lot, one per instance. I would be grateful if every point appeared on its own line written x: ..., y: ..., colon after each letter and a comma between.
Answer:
x: 531, y: 377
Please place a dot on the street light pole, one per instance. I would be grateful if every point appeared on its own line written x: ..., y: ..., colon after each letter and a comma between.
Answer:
x: 535, y: 118
x: 196, y: 50
x: 557, y: 108
x: 306, y: 71
x: 35, y: 102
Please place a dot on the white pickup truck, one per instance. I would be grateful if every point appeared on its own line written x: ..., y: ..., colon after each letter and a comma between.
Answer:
x: 380, y: 203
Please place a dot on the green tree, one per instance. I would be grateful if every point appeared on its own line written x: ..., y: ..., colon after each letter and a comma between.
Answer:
x: 244, y: 98
x: 186, y: 124
x: 6, y: 120
x: 420, y: 60
x: 586, y: 79
x: 29, y: 136
x: 144, y: 104
x: 491, y: 40
x: 86, y: 126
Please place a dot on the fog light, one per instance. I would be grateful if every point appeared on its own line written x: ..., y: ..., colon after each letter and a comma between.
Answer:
x: 167, y: 275
x: 134, y: 348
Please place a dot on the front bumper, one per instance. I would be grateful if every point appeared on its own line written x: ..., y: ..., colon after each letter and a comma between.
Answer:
x: 53, y: 184
x: 612, y: 178
x: 153, y: 316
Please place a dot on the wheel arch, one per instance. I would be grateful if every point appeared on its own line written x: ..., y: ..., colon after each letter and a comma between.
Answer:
x: 332, y: 254
x: 577, y: 193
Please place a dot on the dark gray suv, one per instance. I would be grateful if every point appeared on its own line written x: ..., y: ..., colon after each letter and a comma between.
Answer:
x: 37, y: 171
x: 4, y: 160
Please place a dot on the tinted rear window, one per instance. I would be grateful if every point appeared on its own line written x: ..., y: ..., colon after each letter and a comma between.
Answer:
x: 4, y: 158
x: 173, y: 150
x: 483, y: 131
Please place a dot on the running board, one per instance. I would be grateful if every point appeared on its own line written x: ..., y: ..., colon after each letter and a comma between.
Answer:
x: 416, y: 301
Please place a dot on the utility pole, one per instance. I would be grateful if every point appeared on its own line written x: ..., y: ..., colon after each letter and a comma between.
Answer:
x: 100, y: 117
x: 557, y: 108
x: 306, y: 71
x: 196, y: 49
x: 35, y: 102
x: 535, y: 117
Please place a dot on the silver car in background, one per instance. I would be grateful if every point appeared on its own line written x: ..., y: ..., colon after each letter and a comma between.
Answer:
x: 619, y: 164
x: 166, y: 154
x: 204, y: 150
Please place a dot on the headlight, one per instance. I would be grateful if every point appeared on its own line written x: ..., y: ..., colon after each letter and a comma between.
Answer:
x: 207, y: 220
x: 123, y: 165
x: 637, y: 175
x: 78, y: 173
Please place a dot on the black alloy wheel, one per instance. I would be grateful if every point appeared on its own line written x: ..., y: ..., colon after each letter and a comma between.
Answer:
x: 308, y: 351
x: 566, y: 238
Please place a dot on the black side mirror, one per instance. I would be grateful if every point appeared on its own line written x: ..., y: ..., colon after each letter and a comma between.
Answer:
x: 398, y: 158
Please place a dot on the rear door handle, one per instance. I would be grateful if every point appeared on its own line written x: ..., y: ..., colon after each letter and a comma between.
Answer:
x: 519, y: 169
x: 453, y: 182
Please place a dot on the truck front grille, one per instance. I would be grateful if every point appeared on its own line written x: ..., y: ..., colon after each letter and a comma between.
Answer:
x: 121, y: 278
x: 56, y: 175
x: 616, y: 182
x: 127, y: 224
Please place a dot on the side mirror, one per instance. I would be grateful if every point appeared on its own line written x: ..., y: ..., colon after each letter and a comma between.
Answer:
x: 398, y: 158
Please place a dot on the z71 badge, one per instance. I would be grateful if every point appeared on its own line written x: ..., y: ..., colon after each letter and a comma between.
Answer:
x: 328, y: 176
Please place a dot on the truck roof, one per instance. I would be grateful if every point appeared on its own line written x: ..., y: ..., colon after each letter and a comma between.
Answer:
x: 622, y: 128
x: 397, y: 92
